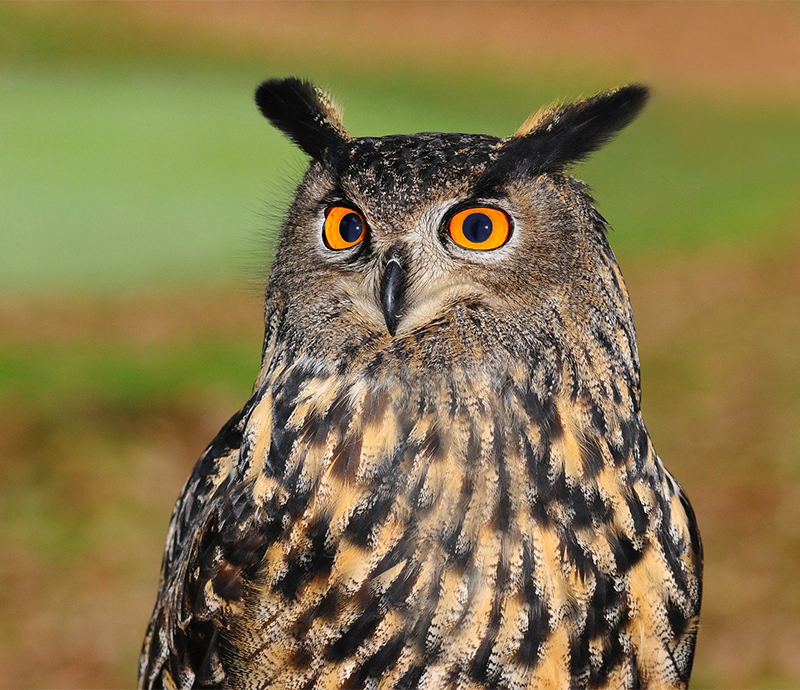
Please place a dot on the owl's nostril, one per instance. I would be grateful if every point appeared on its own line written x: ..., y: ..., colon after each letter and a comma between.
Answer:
x: 393, y: 287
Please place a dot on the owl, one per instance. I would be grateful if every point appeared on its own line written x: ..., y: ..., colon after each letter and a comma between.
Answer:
x: 442, y: 478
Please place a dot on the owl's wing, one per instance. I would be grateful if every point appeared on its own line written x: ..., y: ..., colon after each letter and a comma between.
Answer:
x: 695, y: 542
x: 684, y: 516
x: 181, y: 645
x: 685, y: 622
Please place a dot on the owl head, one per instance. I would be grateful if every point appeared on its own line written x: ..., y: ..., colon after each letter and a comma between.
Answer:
x: 449, y: 239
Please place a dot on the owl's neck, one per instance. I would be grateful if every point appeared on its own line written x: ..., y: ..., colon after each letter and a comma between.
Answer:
x: 560, y: 349
x: 468, y: 371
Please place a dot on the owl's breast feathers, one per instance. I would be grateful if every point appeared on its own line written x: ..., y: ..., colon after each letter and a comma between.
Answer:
x: 393, y: 526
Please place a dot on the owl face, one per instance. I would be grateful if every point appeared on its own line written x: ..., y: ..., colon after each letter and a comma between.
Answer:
x: 389, y: 235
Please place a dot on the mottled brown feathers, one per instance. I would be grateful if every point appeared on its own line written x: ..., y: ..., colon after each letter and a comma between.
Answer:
x: 471, y: 502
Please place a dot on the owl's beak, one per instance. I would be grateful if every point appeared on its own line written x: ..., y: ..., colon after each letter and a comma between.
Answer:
x: 393, y: 288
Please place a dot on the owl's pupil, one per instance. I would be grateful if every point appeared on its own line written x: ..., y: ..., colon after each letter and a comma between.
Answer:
x: 477, y: 227
x: 350, y: 227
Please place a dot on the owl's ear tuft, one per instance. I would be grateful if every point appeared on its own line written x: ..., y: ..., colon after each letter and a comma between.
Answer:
x: 561, y: 134
x: 307, y: 115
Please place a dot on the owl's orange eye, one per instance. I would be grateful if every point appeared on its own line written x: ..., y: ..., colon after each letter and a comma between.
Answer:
x: 344, y: 228
x: 480, y: 228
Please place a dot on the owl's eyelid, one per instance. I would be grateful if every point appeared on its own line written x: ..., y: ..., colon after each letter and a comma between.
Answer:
x: 337, y: 197
x: 326, y: 209
x: 477, y: 202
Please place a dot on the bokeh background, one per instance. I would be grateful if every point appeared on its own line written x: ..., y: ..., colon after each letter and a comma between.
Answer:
x: 139, y: 195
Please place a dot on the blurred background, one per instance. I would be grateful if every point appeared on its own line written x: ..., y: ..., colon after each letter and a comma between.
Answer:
x: 139, y: 194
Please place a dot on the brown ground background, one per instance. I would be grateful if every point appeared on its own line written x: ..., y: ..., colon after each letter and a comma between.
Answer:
x: 718, y: 334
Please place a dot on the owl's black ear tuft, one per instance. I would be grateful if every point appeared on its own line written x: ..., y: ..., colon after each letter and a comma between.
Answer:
x: 561, y: 134
x: 307, y: 115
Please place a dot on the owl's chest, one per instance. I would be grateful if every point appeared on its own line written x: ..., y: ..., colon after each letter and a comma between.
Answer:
x: 432, y: 532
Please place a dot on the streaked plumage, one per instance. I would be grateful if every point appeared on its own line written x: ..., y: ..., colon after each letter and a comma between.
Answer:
x: 472, y: 501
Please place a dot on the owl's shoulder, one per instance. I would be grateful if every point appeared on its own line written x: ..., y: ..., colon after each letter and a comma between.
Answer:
x: 180, y: 645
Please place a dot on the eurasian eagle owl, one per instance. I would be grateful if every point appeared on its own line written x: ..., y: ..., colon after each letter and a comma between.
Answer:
x: 442, y: 478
